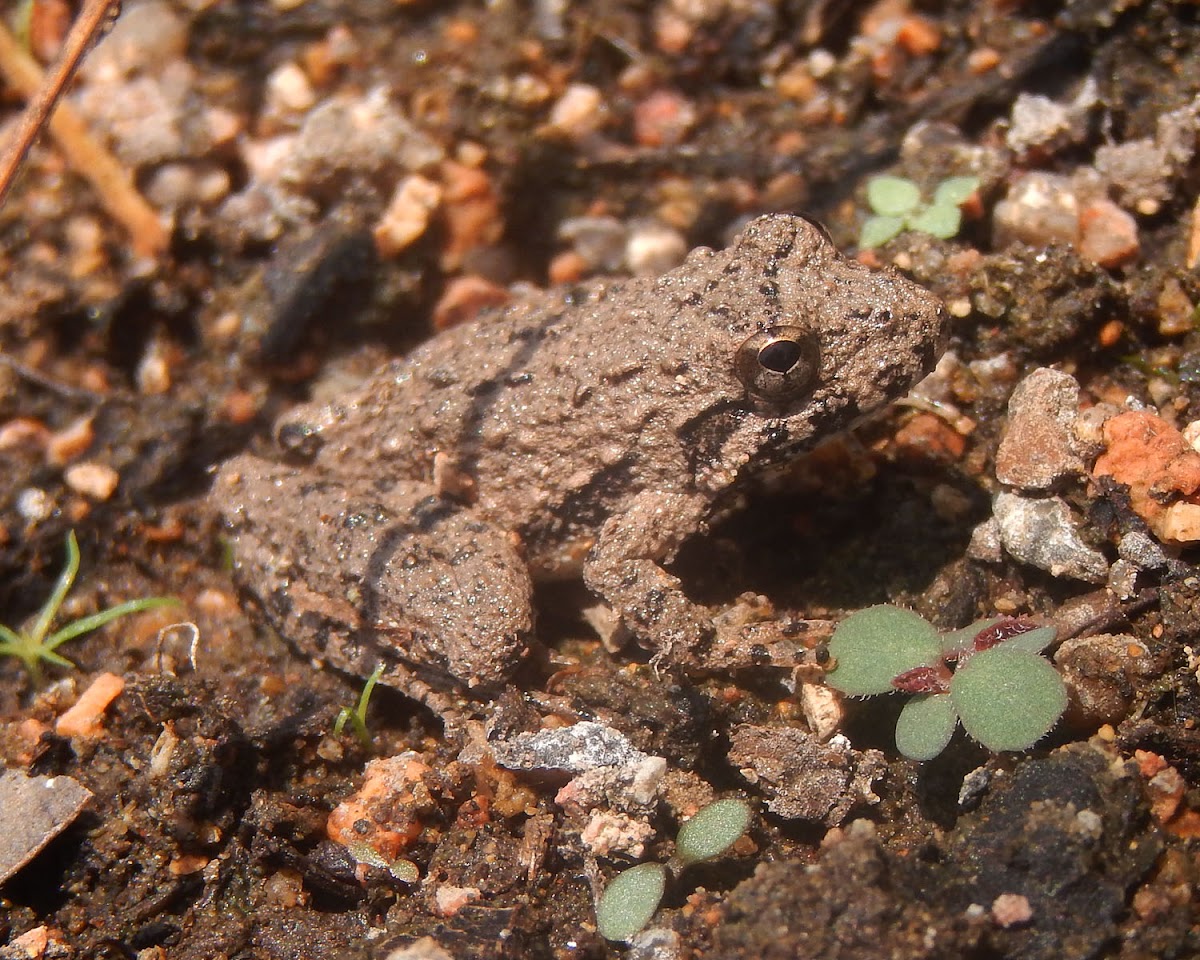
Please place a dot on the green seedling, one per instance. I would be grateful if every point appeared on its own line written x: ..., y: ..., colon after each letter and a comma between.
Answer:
x: 896, y: 205
x: 33, y: 647
x: 632, y: 896
x: 403, y: 870
x: 989, y: 675
x: 358, y: 716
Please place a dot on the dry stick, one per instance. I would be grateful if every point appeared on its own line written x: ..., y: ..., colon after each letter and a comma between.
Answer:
x: 91, y: 21
x: 83, y: 152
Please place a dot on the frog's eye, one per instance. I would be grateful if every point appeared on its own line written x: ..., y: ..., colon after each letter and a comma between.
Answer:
x: 779, y: 363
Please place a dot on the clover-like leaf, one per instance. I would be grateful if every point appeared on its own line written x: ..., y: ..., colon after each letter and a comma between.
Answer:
x: 925, y: 726
x: 876, y: 231
x: 712, y: 831
x: 1008, y: 698
x: 629, y: 901
x: 942, y: 220
x: 892, y: 196
x: 1032, y: 641
x: 874, y: 645
x: 955, y: 191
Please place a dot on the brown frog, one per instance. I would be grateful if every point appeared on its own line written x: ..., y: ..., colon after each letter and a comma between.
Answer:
x: 574, y: 435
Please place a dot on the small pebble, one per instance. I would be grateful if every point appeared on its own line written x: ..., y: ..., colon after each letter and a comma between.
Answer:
x: 985, y: 544
x: 609, y: 834
x: 1107, y: 234
x: 289, y: 89
x: 285, y: 888
x: 145, y: 38
x: 579, y: 112
x: 600, y: 240
x: 822, y: 708
x: 655, y: 943
x: 1042, y: 126
x: 424, y: 949
x: 549, y: 18
x: 1098, y: 671
x: 34, y: 504
x: 574, y: 749
x: 974, y: 785
x: 1176, y: 312
x: 153, y: 373
x: 471, y: 212
x: 1037, y: 451
x: 652, y: 249
x: 85, y: 717
x: 23, y: 431
x: 465, y: 298
x: 1122, y: 579
x: 1040, y: 209
x: 1139, y: 172
x: 385, y: 813
x: 449, y: 899
x: 919, y: 36
x: 1193, y: 250
x: 408, y: 214
x: 1180, y: 522
x: 355, y: 133
x: 663, y: 119
x: 71, y: 442
x: 1141, y: 550
x: 1011, y: 910
x: 930, y: 438
x: 96, y: 481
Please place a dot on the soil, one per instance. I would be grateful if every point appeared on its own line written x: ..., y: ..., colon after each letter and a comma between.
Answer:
x: 215, y: 769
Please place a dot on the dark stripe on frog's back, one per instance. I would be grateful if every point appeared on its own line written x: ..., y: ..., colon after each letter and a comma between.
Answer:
x: 530, y: 332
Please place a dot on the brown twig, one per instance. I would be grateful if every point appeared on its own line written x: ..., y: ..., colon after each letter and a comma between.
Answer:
x: 83, y: 152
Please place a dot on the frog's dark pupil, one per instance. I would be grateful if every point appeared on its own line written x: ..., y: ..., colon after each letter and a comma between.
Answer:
x: 780, y: 356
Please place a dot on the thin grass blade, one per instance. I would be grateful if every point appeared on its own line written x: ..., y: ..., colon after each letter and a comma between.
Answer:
x: 96, y: 620
x: 48, y: 612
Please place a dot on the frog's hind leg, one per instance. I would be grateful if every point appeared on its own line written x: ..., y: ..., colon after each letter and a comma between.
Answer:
x: 391, y: 575
x: 444, y: 586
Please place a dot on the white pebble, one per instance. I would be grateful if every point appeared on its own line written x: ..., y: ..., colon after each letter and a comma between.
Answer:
x: 96, y: 481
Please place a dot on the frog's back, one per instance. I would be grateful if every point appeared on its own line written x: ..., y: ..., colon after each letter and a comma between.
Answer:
x: 531, y: 404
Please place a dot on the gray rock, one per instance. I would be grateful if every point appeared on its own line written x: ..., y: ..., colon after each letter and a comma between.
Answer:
x: 1043, y: 534
x: 582, y: 746
x: 1142, y: 550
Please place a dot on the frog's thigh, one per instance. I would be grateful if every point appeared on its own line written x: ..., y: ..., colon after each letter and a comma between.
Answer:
x: 625, y: 568
x: 448, y: 586
x: 400, y: 574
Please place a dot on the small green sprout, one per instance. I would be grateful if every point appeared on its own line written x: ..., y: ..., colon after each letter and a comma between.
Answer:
x: 403, y: 870
x: 989, y: 675
x: 896, y: 204
x: 632, y: 896
x: 358, y: 716
x: 630, y: 900
x: 32, y: 646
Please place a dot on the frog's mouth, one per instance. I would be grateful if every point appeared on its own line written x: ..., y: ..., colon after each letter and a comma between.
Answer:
x: 782, y: 437
x: 750, y: 435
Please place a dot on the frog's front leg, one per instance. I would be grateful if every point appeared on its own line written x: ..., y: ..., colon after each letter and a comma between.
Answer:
x: 625, y: 568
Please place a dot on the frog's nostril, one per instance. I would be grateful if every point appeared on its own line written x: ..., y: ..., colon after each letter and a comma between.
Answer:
x: 780, y: 356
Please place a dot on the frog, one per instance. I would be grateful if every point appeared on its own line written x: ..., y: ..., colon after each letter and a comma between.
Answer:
x: 584, y: 434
